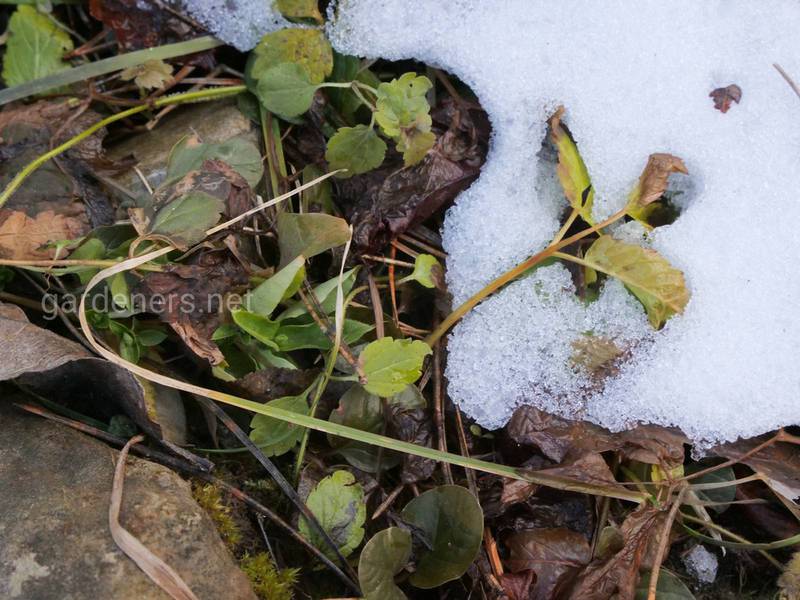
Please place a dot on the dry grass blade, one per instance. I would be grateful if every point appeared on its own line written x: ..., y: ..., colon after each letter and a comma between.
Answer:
x: 156, y: 569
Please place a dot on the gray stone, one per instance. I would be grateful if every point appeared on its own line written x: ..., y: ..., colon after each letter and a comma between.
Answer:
x: 55, y: 486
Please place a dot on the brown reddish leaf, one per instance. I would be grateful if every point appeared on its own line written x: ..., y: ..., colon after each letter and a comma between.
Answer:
x: 516, y: 490
x: 24, y: 237
x: 777, y: 464
x: 555, y: 555
x: 616, y: 576
x: 769, y: 518
x: 557, y: 438
x: 191, y: 297
x: 385, y: 202
x: 273, y: 382
x: 653, y: 181
x: 589, y: 468
x: 517, y: 586
x: 724, y: 96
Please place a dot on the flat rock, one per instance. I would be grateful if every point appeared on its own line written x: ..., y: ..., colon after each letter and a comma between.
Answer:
x: 55, y: 487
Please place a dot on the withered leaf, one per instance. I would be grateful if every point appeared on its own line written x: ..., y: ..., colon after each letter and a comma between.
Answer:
x: 517, y: 586
x: 778, y: 464
x: 723, y: 97
x: 555, y: 555
x: 617, y: 576
x: 653, y: 180
x: 598, y: 355
x: 24, y: 237
x: 557, y: 438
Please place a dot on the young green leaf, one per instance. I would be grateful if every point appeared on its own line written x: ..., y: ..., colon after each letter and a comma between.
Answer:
x: 238, y: 152
x: 260, y: 327
x: 338, y: 504
x: 414, y: 143
x: 120, y: 292
x: 309, y: 234
x: 357, y: 149
x: 659, y: 286
x: 276, y: 437
x: 185, y: 220
x: 325, y: 294
x: 427, y: 271
x: 572, y: 172
x: 451, y: 519
x: 300, y: 9
x: 282, y: 285
x: 35, y: 47
x: 403, y: 114
x: 310, y: 337
x: 150, y: 337
x: 306, y: 48
x: 389, y: 365
x: 286, y: 90
x: 385, y: 555
x: 91, y: 249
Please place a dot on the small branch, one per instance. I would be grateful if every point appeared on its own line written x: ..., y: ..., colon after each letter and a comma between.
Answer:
x: 662, y: 545
x: 788, y: 79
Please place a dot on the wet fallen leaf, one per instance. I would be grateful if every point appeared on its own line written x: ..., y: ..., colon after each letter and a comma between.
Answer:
x: 597, y: 355
x: 24, y: 237
x: 653, y: 182
x: 555, y: 555
x: 778, y: 464
x: 517, y: 586
x: 409, y: 421
x: 723, y: 97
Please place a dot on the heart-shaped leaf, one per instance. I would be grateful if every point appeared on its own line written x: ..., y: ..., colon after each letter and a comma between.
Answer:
x: 452, y: 520
x: 309, y: 234
x: 382, y: 558
x: 276, y: 437
x: 285, y: 90
x: 659, y: 286
x: 338, y: 504
x: 427, y: 271
x: 282, y: 285
x: 357, y: 149
x: 390, y: 365
x: 185, y: 220
x: 238, y: 152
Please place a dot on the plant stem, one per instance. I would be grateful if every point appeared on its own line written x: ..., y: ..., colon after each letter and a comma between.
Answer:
x: 563, y: 231
x: 513, y: 273
x: 199, y: 96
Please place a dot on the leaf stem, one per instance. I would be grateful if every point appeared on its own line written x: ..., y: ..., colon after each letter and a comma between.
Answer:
x: 513, y: 274
x: 199, y: 96
x: 563, y: 231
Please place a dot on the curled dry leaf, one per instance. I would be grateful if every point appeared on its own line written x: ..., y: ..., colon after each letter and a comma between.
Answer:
x: 723, y: 97
x: 554, y: 555
x: 653, y: 180
x: 777, y: 464
x: 150, y: 75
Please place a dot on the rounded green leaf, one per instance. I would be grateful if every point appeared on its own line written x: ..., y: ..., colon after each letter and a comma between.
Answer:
x: 338, y: 504
x: 382, y: 558
x: 276, y: 437
x: 427, y: 270
x: 238, y: 152
x: 286, y: 90
x: 389, y: 365
x: 35, y: 47
x: 186, y: 219
x: 357, y: 149
x: 307, y: 48
x: 669, y: 587
x: 452, y: 520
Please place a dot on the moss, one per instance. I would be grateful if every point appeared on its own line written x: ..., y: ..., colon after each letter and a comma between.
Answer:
x: 269, y: 582
x: 209, y: 497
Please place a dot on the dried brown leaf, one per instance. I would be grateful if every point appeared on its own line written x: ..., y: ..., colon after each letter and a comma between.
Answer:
x: 517, y: 586
x: 777, y: 464
x: 723, y: 97
x: 24, y: 237
x: 654, y: 178
x: 555, y: 555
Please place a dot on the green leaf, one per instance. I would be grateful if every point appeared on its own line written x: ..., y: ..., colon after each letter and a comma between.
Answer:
x: 224, y: 332
x: 338, y: 504
x: 300, y: 9
x: 309, y: 234
x: 91, y: 249
x: 120, y: 292
x: 451, y: 519
x: 35, y: 47
x: 309, y: 49
x: 389, y: 365
x: 282, y: 285
x: 309, y: 336
x: 382, y: 558
x: 238, y: 152
x: 659, y: 286
x: 186, y: 219
x: 150, y: 337
x: 572, y: 171
x: 285, y: 90
x: 403, y: 114
x: 318, y: 198
x: 669, y: 587
x: 325, y: 294
x: 357, y: 149
x: 427, y: 271
x: 276, y: 437
x: 260, y: 327
x: 364, y: 411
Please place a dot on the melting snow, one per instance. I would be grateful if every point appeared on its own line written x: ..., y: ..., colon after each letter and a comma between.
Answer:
x: 240, y: 23
x: 701, y: 564
x: 635, y: 79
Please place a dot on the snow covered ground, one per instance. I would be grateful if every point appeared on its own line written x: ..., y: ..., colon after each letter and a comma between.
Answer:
x: 635, y: 78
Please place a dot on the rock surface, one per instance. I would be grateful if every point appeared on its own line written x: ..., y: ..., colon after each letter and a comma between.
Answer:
x: 55, y: 486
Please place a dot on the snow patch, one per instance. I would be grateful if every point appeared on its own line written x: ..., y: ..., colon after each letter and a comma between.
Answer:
x: 240, y: 23
x: 635, y: 79
x: 701, y: 564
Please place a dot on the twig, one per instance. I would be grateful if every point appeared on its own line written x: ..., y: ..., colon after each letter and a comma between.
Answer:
x: 377, y: 307
x: 462, y: 442
x: 156, y: 569
x: 388, y: 502
x: 438, y: 408
x: 788, y: 79
x: 662, y: 545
